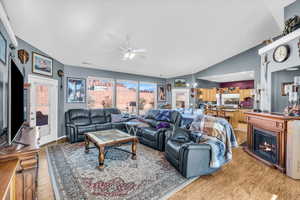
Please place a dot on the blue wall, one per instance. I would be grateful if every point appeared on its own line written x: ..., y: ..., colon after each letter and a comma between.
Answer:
x: 292, y: 9
x: 246, y: 61
x: 80, y: 72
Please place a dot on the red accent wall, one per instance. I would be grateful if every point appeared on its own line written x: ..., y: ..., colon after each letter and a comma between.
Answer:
x: 241, y: 84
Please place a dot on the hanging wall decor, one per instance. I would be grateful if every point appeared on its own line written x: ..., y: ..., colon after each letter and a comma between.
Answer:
x: 42, y: 65
x: 75, y: 90
x: 23, y: 56
x: 162, y: 93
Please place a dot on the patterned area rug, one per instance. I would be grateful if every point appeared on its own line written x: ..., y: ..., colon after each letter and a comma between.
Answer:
x: 75, y: 175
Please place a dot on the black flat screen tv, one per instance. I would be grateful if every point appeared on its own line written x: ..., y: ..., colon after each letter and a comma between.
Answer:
x: 16, y: 102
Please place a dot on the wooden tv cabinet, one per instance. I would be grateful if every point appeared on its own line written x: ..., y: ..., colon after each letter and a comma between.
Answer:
x: 23, y: 182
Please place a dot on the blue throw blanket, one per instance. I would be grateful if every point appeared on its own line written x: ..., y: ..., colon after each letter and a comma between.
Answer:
x: 219, y: 135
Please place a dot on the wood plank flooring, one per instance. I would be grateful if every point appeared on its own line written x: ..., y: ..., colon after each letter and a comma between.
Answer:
x: 244, y: 178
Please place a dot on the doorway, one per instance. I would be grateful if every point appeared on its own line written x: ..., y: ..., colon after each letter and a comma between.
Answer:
x: 43, y: 107
x: 180, y: 98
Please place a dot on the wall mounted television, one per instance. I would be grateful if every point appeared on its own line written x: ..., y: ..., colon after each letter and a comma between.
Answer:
x: 16, y: 102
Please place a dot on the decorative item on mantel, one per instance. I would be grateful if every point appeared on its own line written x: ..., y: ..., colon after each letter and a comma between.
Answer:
x: 291, y: 25
x: 267, y: 42
x: 293, y: 109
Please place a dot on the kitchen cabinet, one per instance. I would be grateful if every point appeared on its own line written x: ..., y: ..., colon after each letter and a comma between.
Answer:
x: 245, y: 93
x: 207, y: 94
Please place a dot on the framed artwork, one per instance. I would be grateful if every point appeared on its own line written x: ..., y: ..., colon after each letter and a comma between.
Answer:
x: 285, y: 88
x: 42, y: 65
x: 162, y: 96
x: 169, y: 87
x: 76, y: 90
x: 180, y: 83
x: 3, y: 48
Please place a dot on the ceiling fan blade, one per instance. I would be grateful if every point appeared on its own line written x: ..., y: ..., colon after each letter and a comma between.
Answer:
x: 139, y: 50
x: 127, y: 41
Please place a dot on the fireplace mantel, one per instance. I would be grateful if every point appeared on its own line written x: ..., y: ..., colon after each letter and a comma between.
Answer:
x: 272, y: 123
x: 293, y: 35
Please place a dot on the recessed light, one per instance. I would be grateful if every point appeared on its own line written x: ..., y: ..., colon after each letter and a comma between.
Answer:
x: 292, y: 69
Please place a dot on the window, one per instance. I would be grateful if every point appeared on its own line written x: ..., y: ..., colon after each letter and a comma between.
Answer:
x: 127, y: 96
x: 100, y: 93
x: 147, y: 97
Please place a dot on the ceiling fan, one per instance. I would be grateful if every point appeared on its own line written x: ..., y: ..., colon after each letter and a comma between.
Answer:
x: 129, y: 53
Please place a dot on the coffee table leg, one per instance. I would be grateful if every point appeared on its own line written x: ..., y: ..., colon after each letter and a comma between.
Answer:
x: 101, y: 158
x: 87, y: 144
x: 133, y: 148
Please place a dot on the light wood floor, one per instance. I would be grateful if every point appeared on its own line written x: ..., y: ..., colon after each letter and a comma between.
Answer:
x: 244, y: 178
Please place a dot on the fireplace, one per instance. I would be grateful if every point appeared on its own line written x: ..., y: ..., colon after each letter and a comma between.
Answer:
x: 267, y: 138
x: 265, y: 145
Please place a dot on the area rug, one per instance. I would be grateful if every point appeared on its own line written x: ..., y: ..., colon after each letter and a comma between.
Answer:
x: 75, y: 176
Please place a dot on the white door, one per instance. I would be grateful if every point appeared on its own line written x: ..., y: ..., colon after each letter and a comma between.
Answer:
x: 43, y: 107
x: 180, y: 98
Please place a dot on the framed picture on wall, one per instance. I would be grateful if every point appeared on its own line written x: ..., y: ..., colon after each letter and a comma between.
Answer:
x: 76, y: 90
x: 285, y: 88
x: 179, y: 83
x: 162, y: 96
x: 42, y: 64
x: 3, y: 48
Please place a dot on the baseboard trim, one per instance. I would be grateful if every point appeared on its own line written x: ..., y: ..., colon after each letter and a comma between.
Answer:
x: 61, y: 138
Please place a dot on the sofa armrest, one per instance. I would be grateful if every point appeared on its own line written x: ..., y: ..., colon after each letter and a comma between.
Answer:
x: 71, y: 131
x: 195, y: 160
x: 71, y: 125
x: 198, y: 147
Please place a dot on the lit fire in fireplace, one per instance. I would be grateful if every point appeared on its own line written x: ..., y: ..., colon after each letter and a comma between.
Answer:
x: 267, y: 147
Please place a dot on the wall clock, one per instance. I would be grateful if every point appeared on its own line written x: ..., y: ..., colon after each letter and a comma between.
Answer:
x: 281, y: 53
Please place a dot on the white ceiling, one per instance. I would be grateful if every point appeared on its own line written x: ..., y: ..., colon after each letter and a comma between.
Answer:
x: 181, y: 36
x: 230, y: 77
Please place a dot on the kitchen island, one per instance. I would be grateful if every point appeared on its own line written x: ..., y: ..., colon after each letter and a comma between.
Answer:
x: 236, y: 116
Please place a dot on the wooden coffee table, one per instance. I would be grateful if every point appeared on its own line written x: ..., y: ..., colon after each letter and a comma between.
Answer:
x: 112, y: 137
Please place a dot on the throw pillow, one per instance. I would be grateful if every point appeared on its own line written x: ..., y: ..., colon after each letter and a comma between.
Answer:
x: 116, y: 117
x: 162, y: 125
x: 163, y: 115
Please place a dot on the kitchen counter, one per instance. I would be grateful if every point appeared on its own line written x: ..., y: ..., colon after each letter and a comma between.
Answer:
x: 235, y: 115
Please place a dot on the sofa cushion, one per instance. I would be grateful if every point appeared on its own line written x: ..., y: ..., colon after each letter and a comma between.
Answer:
x: 85, y: 129
x: 150, y: 133
x: 151, y: 114
x: 153, y: 123
x: 116, y: 117
x: 80, y: 117
x: 164, y: 115
x: 105, y: 126
x: 98, y: 116
x: 109, y: 111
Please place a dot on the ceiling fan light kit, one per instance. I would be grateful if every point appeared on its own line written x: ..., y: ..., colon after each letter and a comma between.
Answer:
x: 129, y: 53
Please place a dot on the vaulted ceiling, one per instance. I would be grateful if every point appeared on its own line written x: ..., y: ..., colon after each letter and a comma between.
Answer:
x: 181, y: 37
